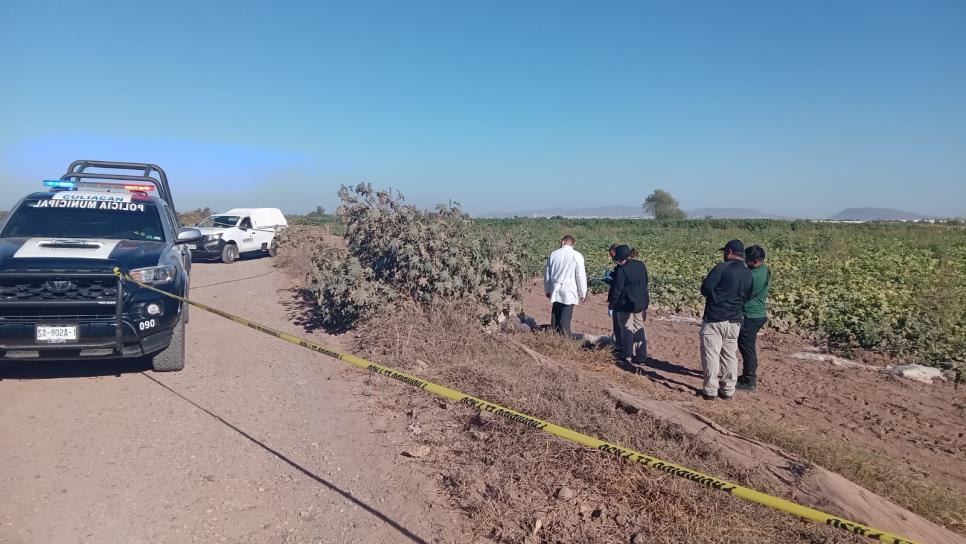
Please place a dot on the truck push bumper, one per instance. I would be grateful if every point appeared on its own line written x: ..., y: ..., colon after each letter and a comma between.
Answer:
x: 93, y: 307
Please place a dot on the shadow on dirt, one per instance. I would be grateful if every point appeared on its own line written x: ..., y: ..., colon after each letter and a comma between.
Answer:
x: 46, y: 370
x: 672, y: 368
x: 303, y: 310
x: 406, y: 533
x: 657, y: 371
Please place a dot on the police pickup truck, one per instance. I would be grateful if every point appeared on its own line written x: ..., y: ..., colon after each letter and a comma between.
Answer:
x: 59, y: 296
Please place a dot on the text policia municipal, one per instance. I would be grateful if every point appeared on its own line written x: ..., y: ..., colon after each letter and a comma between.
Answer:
x: 90, y: 205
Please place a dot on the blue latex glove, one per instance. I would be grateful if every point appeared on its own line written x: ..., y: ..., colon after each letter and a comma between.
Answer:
x: 610, y: 313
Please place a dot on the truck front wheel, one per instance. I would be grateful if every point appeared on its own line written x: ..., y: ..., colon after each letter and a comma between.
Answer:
x: 171, y: 358
x: 229, y: 253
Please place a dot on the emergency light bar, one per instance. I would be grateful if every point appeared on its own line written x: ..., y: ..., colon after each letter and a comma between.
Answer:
x: 74, y: 185
x: 146, y: 174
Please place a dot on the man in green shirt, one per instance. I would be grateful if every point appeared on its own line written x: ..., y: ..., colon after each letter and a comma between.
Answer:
x: 755, y: 317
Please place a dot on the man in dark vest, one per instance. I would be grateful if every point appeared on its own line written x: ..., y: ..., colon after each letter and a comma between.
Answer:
x: 628, y: 299
x: 609, y: 280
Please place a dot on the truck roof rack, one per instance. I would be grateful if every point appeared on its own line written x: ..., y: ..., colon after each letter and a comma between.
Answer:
x: 150, y: 173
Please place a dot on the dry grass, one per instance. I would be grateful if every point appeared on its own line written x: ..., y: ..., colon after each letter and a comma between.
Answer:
x: 870, y: 470
x: 506, y: 477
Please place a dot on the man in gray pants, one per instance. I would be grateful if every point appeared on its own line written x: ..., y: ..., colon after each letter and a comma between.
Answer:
x: 726, y: 289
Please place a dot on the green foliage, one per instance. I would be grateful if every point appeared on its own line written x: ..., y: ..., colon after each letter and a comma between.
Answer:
x: 661, y: 205
x: 346, y: 290
x: 193, y: 217
x: 395, y: 252
x: 890, y: 286
x: 319, y: 211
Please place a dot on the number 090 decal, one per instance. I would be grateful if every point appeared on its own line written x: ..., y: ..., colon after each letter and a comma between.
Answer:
x: 145, y: 325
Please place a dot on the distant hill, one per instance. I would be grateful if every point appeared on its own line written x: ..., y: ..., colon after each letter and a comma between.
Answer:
x: 615, y: 212
x: 731, y: 213
x: 876, y: 214
x: 635, y: 212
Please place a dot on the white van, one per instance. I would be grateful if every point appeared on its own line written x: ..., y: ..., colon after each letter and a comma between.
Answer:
x: 239, y: 230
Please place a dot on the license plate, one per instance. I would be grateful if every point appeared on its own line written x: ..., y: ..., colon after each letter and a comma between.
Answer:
x: 56, y: 334
x: 192, y: 246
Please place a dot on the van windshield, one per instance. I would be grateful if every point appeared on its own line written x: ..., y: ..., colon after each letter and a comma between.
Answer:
x: 83, y: 219
x: 220, y: 221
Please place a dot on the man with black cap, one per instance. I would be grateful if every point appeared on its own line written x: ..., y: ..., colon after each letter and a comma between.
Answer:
x: 609, y: 280
x: 726, y: 289
x: 628, y: 300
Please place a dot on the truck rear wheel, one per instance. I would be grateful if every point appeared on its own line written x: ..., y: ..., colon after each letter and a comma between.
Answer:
x: 229, y: 253
x: 171, y: 358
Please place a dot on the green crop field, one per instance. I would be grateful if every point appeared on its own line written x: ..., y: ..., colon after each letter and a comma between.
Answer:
x: 896, y: 287
x: 333, y: 222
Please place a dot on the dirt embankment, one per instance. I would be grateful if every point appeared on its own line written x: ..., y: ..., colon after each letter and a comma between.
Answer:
x: 902, y: 438
x: 918, y: 426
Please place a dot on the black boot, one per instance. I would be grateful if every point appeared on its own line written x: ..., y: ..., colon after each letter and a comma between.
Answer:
x: 746, y: 385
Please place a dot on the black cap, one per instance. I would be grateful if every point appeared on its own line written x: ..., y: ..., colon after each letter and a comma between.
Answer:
x: 734, y: 246
x: 622, y: 252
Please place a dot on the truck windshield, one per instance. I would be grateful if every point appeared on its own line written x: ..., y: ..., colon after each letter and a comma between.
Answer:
x: 109, y: 220
x: 220, y: 221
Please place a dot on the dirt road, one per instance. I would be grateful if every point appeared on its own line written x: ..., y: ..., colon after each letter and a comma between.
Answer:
x: 255, y: 441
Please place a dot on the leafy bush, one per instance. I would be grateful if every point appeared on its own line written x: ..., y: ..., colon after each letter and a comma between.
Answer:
x: 395, y: 252
x: 346, y: 290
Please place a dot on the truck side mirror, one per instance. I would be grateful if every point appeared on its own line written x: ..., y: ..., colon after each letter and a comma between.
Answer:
x: 188, y: 235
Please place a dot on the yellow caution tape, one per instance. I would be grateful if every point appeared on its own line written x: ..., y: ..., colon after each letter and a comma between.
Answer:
x: 630, y: 455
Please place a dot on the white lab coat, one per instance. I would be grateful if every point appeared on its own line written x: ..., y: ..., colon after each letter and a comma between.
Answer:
x: 565, y: 277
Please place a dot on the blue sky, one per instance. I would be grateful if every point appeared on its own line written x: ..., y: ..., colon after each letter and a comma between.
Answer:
x: 793, y: 108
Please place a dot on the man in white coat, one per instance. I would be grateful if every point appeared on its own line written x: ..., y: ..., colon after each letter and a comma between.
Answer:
x: 565, y: 284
